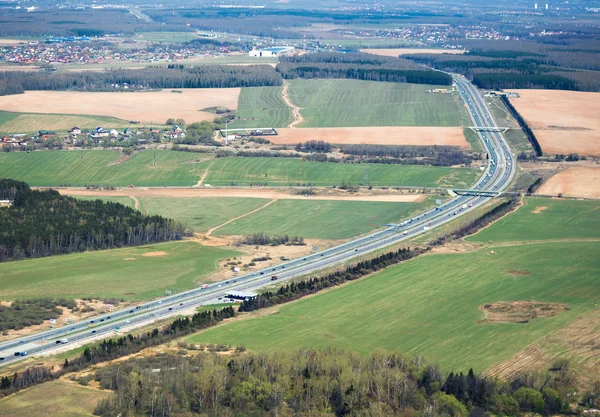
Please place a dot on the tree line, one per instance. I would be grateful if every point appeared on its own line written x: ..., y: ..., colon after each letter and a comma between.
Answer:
x: 530, y: 136
x: 172, y: 76
x: 44, y: 223
x: 264, y: 239
x: 335, y: 382
x: 24, y: 313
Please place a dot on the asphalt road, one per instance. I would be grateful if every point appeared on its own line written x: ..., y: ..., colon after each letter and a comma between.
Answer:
x: 497, y: 175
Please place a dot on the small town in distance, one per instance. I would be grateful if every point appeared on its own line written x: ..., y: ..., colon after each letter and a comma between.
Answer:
x: 297, y: 209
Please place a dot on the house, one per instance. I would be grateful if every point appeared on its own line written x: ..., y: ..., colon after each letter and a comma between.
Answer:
x: 46, y: 134
x: 113, y: 134
x: 75, y: 131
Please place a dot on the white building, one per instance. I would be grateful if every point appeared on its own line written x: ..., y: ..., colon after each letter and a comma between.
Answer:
x: 271, y: 52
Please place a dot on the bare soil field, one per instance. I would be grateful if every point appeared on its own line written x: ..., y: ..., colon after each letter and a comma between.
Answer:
x: 519, y: 311
x: 376, y: 135
x: 394, y: 197
x: 146, y: 107
x: 24, y: 68
x: 574, y: 182
x: 408, y: 51
x: 563, y: 121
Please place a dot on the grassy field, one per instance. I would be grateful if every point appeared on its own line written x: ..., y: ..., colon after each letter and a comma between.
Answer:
x: 544, y: 219
x: 280, y: 171
x: 79, y: 168
x: 515, y: 136
x: 323, y: 219
x: 261, y: 107
x: 101, y: 274
x: 56, y: 398
x: 350, y: 103
x: 201, y: 214
x: 431, y: 306
x: 34, y: 122
x: 6, y: 117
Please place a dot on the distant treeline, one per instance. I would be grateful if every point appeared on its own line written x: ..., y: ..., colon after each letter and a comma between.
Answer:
x: 412, y: 155
x: 44, y: 223
x: 358, y: 66
x: 264, y: 239
x: 530, y: 136
x: 501, y: 80
x: 173, y: 76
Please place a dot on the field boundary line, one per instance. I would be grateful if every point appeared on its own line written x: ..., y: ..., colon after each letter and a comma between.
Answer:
x: 210, y: 231
x: 204, y: 174
x: 295, y: 110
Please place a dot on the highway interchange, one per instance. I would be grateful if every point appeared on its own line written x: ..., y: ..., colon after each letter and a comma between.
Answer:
x: 496, y: 177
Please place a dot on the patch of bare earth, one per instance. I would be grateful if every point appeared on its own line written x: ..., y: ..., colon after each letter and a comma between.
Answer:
x: 539, y: 209
x: 268, y: 193
x: 375, y: 135
x: 579, y: 181
x: 119, y: 160
x: 145, y: 107
x: 154, y: 254
x: 563, y: 121
x: 579, y: 341
x: 408, y: 51
x: 519, y: 311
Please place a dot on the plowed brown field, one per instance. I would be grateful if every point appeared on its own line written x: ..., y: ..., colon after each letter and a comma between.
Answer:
x: 574, y: 182
x: 146, y: 107
x: 563, y: 121
x: 378, y: 135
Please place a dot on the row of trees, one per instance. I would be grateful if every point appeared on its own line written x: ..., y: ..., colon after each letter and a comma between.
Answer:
x: 537, y: 148
x: 173, y: 76
x: 44, y: 223
x: 263, y: 239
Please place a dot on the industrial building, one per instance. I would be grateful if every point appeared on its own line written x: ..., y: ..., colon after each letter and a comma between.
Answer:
x: 271, y: 52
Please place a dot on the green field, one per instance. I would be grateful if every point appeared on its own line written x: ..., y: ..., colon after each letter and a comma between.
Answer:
x: 56, y: 399
x: 107, y: 274
x: 261, y: 107
x: 350, y: 103
x: 280, y: 171
x: 79, y: 168
x: 322, y: 219
x: 200, y: 214
x: 34, y: 122
x: 545, y: 219
x: 431, y: 305
x: 6, y: 117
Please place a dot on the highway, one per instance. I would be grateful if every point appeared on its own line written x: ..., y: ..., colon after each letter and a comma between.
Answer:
x: 496, y: 177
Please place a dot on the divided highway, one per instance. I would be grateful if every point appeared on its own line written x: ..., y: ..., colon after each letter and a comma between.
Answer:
x: 496, y: 177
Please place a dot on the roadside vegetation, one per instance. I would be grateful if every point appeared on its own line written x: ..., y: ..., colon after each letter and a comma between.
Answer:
x: 25, y: 313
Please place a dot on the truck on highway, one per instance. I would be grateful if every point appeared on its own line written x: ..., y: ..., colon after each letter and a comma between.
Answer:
x: 20, y: 353
x: 62, y: 341
x: 464, y: 206
x: 274, y: 277
x: 204, y: 286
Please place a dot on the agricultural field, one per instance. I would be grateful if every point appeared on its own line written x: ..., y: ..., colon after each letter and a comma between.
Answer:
x: 153, y: 107
x: 378, y: 135
x: 581, y: 181
x: 409, y: 51
x: 562, y: 121
x: 150, y: 270
x: 280, y: 171
x: 546, y: 219
x: 201, y: 214
x: 433, y: 305
x: 261, y: 107
x: 56, y: 398
x: 354, y: 103
x: 6, y: 117
x: 324, y: 219
x: 78, y: 168
x: 32, y: 122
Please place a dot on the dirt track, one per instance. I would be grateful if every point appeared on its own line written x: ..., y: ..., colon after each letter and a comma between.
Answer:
x: 574, y: 182
x: 246, y: 193
x: 296, y: 115
x: 378, y: 135
x: 563, y: 121
x: 146, y: 107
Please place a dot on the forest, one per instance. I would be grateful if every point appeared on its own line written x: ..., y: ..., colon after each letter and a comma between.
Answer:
x: 358, y: 66
x: 332, y: 382
x: 173, y: 76
x: 44, y: 223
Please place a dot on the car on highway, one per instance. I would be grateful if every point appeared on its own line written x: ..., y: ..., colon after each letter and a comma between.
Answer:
x: 130, y: 311
x: 170, y: 308
x: 94, y: 331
